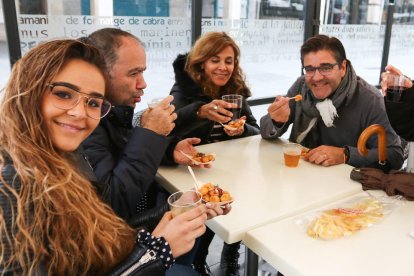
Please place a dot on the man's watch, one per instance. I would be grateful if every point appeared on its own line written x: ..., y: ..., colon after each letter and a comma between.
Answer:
x: 346, y: 154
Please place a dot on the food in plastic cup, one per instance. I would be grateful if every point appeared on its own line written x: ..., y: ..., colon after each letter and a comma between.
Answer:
x: 292, y: 153
x: 183, y: 201
x: 154, y: 102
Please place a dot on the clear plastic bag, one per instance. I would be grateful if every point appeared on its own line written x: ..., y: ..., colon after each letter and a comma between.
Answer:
x: 348, y: 218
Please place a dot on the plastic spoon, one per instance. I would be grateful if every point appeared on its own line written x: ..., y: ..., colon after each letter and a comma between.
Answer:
x: 194, y: 177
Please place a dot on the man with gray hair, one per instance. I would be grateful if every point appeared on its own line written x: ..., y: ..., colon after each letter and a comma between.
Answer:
x: 124, y: 158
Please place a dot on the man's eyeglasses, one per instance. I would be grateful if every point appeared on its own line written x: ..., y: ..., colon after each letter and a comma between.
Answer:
x: 65, y: 96
x: 325, y: 69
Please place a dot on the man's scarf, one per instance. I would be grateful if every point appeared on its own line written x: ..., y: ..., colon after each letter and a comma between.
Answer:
x: 310, y: 110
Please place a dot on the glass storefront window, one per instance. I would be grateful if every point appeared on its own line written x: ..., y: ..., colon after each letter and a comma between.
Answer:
x: 4, y: 52
x: 404, y: 12
x: 269, y: 33
x: 358, y: 24
x: 163, y: 26
x: 402, y: 37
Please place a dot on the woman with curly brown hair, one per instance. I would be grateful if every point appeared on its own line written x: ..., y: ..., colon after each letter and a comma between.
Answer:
x: 210, y: 70
x: 52, y: 220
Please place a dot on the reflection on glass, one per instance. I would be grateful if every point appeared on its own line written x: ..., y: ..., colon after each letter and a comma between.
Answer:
x: 402, y: 37
x: 163, y: 27
x: 358, y: 25
x: 269, y: 34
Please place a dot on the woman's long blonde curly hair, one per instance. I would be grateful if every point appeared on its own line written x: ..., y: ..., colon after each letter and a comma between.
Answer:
x: 58, y: 218
x: 205, y: 47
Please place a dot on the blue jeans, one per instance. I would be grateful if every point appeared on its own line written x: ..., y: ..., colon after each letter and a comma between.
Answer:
x: 181, y: 270
x: 183, y: 263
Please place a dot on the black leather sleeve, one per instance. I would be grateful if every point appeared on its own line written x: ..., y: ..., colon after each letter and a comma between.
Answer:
x: 149, y: 219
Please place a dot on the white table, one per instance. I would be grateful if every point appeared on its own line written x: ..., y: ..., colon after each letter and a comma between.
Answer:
x: 265, y: 190
x: 382, y: 249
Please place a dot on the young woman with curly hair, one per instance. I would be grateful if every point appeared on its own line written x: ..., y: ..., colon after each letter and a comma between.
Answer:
x: 52, y: 220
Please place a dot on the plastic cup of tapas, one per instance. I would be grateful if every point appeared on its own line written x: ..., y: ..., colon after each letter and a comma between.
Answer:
x: 154, y: 102
x: 292, y: 153
x: 183, y: 201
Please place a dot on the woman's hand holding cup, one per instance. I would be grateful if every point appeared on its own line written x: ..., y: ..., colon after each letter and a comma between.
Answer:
x: 182, y: 230
x: 216, y: 110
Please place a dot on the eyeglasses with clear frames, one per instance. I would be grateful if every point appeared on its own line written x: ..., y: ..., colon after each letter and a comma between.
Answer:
x: 325, y: 69
x: 65, y: 96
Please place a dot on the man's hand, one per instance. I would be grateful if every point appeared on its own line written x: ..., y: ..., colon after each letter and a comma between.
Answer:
x: 325, y: 156
x: 279, y: 110
x: 391, y: 70
x: 160, y: 119
x: 186, y: 146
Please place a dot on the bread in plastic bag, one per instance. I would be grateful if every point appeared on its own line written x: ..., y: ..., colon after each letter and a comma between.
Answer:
x: 348, y: 218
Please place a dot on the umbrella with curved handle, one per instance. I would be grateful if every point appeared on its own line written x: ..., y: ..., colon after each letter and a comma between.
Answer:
x: 382, y: 142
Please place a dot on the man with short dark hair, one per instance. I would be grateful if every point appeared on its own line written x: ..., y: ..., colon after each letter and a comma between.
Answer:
x: 336, y: 107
